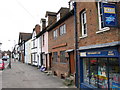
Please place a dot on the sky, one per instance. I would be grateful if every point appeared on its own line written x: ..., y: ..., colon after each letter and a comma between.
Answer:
x: 22, y: 16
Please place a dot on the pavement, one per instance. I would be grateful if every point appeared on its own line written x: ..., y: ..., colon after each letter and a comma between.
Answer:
x: 0, y: 80
x: 26, y: 76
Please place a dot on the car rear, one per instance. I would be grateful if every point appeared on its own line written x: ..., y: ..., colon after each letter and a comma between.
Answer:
x: 1, y: 65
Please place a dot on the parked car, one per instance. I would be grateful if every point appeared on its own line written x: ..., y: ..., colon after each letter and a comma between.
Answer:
x: 4, y: 58
x: 2, y: 65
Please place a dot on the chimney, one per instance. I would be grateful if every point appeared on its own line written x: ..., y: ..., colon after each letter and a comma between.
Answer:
x: 51, y: 17
x: 37, y: 28
x: 43, y: 21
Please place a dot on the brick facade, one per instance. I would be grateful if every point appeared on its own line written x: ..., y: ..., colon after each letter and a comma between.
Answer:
x: 93, y: 37
x: 62, y: 43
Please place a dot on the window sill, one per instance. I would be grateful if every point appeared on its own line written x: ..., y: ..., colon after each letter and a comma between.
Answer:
x: 83, y: 36
x: 103, y: 30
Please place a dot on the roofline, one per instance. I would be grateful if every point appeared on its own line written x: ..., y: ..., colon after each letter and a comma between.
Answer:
x: 50, y: 27
x: 69, y: 14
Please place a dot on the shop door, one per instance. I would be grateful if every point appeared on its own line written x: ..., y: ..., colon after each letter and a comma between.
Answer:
x: 72, y: 62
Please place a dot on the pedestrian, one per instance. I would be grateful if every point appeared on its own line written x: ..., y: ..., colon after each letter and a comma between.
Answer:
x: 9, y: 63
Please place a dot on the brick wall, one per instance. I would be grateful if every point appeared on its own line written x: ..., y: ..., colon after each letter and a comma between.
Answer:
x: 93, y: 26
x: 61, y: 43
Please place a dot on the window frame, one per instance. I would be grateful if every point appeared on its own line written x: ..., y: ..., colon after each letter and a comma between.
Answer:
x: 55, y: 56
x: 55, y: 33
x: 62, y: 57
x: 83, y: 14
x: 58, y: 16
x: 99, y: 64
x: 62, y: 29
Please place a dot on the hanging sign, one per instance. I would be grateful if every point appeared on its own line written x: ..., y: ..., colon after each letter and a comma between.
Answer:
x: 109, y: 15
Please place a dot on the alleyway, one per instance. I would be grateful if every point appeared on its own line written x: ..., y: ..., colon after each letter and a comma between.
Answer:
x: 26, y: 76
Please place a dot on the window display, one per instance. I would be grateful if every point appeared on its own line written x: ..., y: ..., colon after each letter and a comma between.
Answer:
x: 114, y: 73
x: 100, y: 72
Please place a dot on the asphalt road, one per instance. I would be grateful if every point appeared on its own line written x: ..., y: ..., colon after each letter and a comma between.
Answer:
x: 27, y: 76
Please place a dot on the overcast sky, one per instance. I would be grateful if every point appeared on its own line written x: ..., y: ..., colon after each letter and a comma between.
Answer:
x: 22, y: 16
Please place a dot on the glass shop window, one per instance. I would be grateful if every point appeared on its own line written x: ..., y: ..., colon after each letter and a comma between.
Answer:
x: 114, y: 73
x: 93, y: 71
x: 86, y: 70
x: 90, y: 71
x: 100, y: 72
x: 102, y: 76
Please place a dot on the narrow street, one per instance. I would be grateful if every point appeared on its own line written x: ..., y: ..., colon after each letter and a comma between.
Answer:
x: 27, y: 76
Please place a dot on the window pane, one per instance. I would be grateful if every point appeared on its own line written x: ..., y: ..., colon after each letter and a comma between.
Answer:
x: 93, y: 71
x: 83, y: 23
x: 64, y: 28
x: 62, y: 57
x: 55, y: 56
x: 102, y: 73
x: 86, y: 70
x: 85, y: 17
x: 114, y: 73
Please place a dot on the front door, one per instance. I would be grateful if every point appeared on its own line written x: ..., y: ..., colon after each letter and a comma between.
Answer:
x: 72, y: 63
x: 50, y: 61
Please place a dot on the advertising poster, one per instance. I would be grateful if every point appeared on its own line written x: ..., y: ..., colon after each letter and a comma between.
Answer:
x: 109, y: 15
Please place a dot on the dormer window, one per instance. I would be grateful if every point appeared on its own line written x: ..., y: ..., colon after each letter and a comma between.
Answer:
x: 47, y: 21
x: 58, y: 16
x: 71, y: 5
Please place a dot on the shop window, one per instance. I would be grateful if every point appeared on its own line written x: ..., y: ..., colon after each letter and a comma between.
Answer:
x: 114, y: 73
x: 102, y: 72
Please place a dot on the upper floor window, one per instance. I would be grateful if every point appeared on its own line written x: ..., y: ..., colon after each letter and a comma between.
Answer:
x: 71, y: 5
x: 83, y: 23
x: 100, y: 18
x: 47, y: 21
x: 55, y: 34
x: 62, y: 29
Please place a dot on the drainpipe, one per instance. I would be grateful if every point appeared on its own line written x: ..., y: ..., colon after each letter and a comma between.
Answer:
x: 77, y: 66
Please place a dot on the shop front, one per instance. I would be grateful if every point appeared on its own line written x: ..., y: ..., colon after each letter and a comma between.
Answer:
x: 100, y: 68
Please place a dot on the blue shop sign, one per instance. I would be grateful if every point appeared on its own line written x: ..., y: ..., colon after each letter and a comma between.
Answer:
x: 109, y: 15
x: 116, y: 85
x: 99, y: 53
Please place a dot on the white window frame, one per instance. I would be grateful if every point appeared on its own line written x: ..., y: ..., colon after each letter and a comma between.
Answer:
x: 55, y: 33
x: 99, y: 18
x: 62, y: 29
x: 84, y: 22
x: 47, y: 21
x: 58, y: 16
